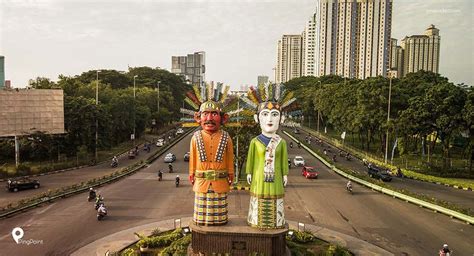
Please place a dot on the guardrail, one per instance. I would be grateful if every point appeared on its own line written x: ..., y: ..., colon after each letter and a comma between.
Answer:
x: 468, y: 219
x: 133, y: 168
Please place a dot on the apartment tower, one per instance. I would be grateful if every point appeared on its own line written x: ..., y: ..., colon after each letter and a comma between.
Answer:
x: 421, y: 52
x: 192, y: 67
x: 351, y: 38
x: 289, y: 58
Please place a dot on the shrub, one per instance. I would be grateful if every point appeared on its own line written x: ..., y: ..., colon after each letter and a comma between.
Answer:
x: 23, y: 169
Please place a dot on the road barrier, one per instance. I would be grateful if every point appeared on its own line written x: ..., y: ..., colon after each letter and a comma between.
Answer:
x: 130, y: 170
x: 468, y: 219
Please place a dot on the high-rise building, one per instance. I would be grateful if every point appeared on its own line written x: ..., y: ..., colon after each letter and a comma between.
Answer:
x: 2, y: 71
x: 262, y: 80
x: 421, y: 52
x: 396, y: 59
x: 289, y: 58
x: 192, y: 67
x: 351, y: 38
x: 310, y: 44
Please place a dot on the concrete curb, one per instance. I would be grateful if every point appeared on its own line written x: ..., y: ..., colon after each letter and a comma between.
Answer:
x: 122, y: 239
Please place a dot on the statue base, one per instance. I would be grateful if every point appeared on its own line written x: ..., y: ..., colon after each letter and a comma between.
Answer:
x: 237, y: 238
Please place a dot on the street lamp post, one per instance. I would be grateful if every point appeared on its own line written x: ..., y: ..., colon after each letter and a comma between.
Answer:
x: 388, y: 114
x: 96, y: 118
x: 319, y: 111
x: 158, y: 92
x: 134, y: 108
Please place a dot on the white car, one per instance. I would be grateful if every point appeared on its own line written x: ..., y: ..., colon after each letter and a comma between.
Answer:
x: 179, y: 131
x: 298, y: 161
x: 169, y: 158
x: 160, y: 142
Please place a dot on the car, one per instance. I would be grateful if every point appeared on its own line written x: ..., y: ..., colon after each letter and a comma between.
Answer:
x: 378, y: 173
x: 309, y: 172
x: 160, y: 142
x: 131, y: 154
x: 186, y: 157
x: 169, y: 158
x: 15, y: 185
x: 179, y: 131
x: 298, y: 161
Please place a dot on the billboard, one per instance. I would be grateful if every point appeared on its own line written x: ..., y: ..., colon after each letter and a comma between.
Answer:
x: 24, y: 112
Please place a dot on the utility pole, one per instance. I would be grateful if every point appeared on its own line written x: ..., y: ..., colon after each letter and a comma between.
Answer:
x: 388, y: 115
x: 96, y: 118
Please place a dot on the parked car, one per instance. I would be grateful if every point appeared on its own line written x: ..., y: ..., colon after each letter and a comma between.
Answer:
x: 15, y: 185
x: 160, y: 142
x: 309, y: 172
x: 378, y: 173
x: 179, y: 131
x: 186, y: 157
x: 169, y: 158
x: 298, y: 161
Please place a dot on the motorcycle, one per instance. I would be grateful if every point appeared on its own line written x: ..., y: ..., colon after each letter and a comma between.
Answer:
x: 349, y: 188
x: 170, y: 168
x: 114, y: 164
x: 291, y: 144
x: 177, y: 182
x: 160, y: 175
x: 101, y: 213
x: 334, y: 158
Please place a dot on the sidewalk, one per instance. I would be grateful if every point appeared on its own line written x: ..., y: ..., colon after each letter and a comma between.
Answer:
x: 117, y: 241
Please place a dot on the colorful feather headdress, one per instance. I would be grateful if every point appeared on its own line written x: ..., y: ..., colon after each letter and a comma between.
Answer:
x: 271, y: 96
x: 209, y: 97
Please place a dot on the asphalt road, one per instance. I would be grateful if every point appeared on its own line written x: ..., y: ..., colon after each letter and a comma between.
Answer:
x: 463, y: 198
x: 67, y: 178
x: 400, y: 227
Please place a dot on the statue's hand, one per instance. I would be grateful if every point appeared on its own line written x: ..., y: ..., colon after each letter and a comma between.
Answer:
x: 249, y: 178
x: 191, y: 178
x: 285, y: 180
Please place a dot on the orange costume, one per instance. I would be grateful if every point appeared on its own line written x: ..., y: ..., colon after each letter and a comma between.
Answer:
x: 220, y: 168
x: 211, y: 163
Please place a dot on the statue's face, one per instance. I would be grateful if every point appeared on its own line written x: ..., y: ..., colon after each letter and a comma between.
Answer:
x: 269, y: 120
x: 210, y: 121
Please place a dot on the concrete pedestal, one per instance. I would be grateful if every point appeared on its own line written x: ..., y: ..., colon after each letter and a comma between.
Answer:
x: 237, y: 238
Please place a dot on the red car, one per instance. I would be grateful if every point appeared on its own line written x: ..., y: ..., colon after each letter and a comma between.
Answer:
x: 309, y: 172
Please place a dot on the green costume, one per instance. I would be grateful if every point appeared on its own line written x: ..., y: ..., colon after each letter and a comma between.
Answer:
x: 267, y: 165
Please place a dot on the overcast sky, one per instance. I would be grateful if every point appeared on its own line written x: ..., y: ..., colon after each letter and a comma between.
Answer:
x: 49, y: 38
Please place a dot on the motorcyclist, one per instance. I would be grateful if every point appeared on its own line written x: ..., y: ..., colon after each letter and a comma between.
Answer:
x: 98, y: 201
x: 114, y: 161
x: 92, y: 194
x: 170, y: 167
x: 348, y: 156
x: 177, y: 180
x: 334, y: 158
x: 102, y: 209
x: 349, y: 185
x: 291, y: 144
x: 445, y: 251
x: 160, y: 175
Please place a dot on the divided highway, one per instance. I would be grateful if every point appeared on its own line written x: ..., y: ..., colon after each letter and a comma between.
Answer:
x: 402, y: 228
